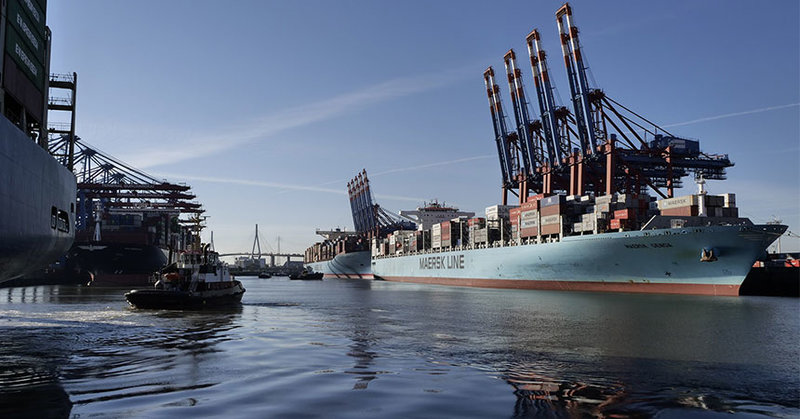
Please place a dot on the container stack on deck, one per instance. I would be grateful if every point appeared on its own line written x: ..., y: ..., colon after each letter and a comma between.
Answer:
x: 544, y: 219
x: 328, y: 249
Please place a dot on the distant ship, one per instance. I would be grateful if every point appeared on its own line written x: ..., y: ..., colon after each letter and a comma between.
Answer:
x: 37, y: 192
x: 344, y: 254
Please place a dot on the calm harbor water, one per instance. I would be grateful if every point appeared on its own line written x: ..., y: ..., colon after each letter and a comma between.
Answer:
x: 338, y: 348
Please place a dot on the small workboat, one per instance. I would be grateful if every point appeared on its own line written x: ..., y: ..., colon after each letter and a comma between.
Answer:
x: 306, y: 275
x: 198, y: 279
x: 264, y: 275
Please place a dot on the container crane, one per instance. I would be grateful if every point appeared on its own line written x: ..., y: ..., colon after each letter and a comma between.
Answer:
x: 601, y: 147
x: 521, y: 116
x: 369, y: 218
x: 502, y: 137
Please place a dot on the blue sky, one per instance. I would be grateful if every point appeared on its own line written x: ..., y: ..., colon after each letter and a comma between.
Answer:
x: 266, y: 108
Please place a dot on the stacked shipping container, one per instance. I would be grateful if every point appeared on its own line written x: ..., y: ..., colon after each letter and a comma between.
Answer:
x: 550, y: 218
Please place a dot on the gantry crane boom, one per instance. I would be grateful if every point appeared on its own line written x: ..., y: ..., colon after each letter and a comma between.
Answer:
x: 500, y: 130
x: 521, y: 115
x: 576, y: 72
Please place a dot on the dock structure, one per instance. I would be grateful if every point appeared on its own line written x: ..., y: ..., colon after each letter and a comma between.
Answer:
x: 598, y: 146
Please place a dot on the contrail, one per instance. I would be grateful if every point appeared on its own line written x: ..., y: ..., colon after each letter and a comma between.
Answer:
x: 277, y: 185
x: 410, y: 168
x: 424, y: 166
x: 730, y: 115
x: 303, y: 115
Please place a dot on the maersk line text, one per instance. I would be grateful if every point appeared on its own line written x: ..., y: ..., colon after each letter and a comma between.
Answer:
x: 442, y: 262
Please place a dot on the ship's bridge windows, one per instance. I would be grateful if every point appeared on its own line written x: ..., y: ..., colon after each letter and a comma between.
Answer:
x: 53, y: 217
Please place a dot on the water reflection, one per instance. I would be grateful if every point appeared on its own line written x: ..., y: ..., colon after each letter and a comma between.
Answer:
x: 538, y: 395
x: 172, y: 350
x: 362, y: 333
x: 29, y: 374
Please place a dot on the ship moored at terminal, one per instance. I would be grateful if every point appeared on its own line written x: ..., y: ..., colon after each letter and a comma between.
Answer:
x: 694, y: 259
x: 346, y: 254
x: 37, y: 191
x: 585, y: 219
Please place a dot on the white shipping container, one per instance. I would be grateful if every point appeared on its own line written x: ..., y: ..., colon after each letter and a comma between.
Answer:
x: 529, y: 215
x: 605, y: 199
x: 678, y: 202
x: 529, y: 223
x: 498, y: 211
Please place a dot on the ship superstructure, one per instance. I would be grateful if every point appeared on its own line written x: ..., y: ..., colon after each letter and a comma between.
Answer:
x: 585, y: 219
x: 433, y: 212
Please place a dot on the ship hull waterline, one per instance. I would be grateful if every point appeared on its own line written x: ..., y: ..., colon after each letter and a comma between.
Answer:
x: 666, y: 261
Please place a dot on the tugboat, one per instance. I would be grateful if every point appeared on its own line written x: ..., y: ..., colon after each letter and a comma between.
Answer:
x: 196, y: 280
x: 306, y: 275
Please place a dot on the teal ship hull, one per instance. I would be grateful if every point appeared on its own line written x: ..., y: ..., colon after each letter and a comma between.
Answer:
x: 643, y: 261
x: 353, y: 265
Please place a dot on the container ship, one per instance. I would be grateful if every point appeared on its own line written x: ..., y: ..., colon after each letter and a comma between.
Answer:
x: 124, y: 247
x: 128, y: 224
x: 346, y: 254
x: 583, y: 218
x: 37, y: 189
x: 343, y: 254
x: 617, y: 243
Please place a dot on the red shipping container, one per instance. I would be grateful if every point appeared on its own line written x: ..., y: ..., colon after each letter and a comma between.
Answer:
x: 551, y: 229
x: 535, y: 197
x: 624, y: 214
x: 551, y: 210
x: 616, y: 224
x: 529, y: 232
x: 688, y: 211
x: 476, y: 221
x: 530, y: 205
